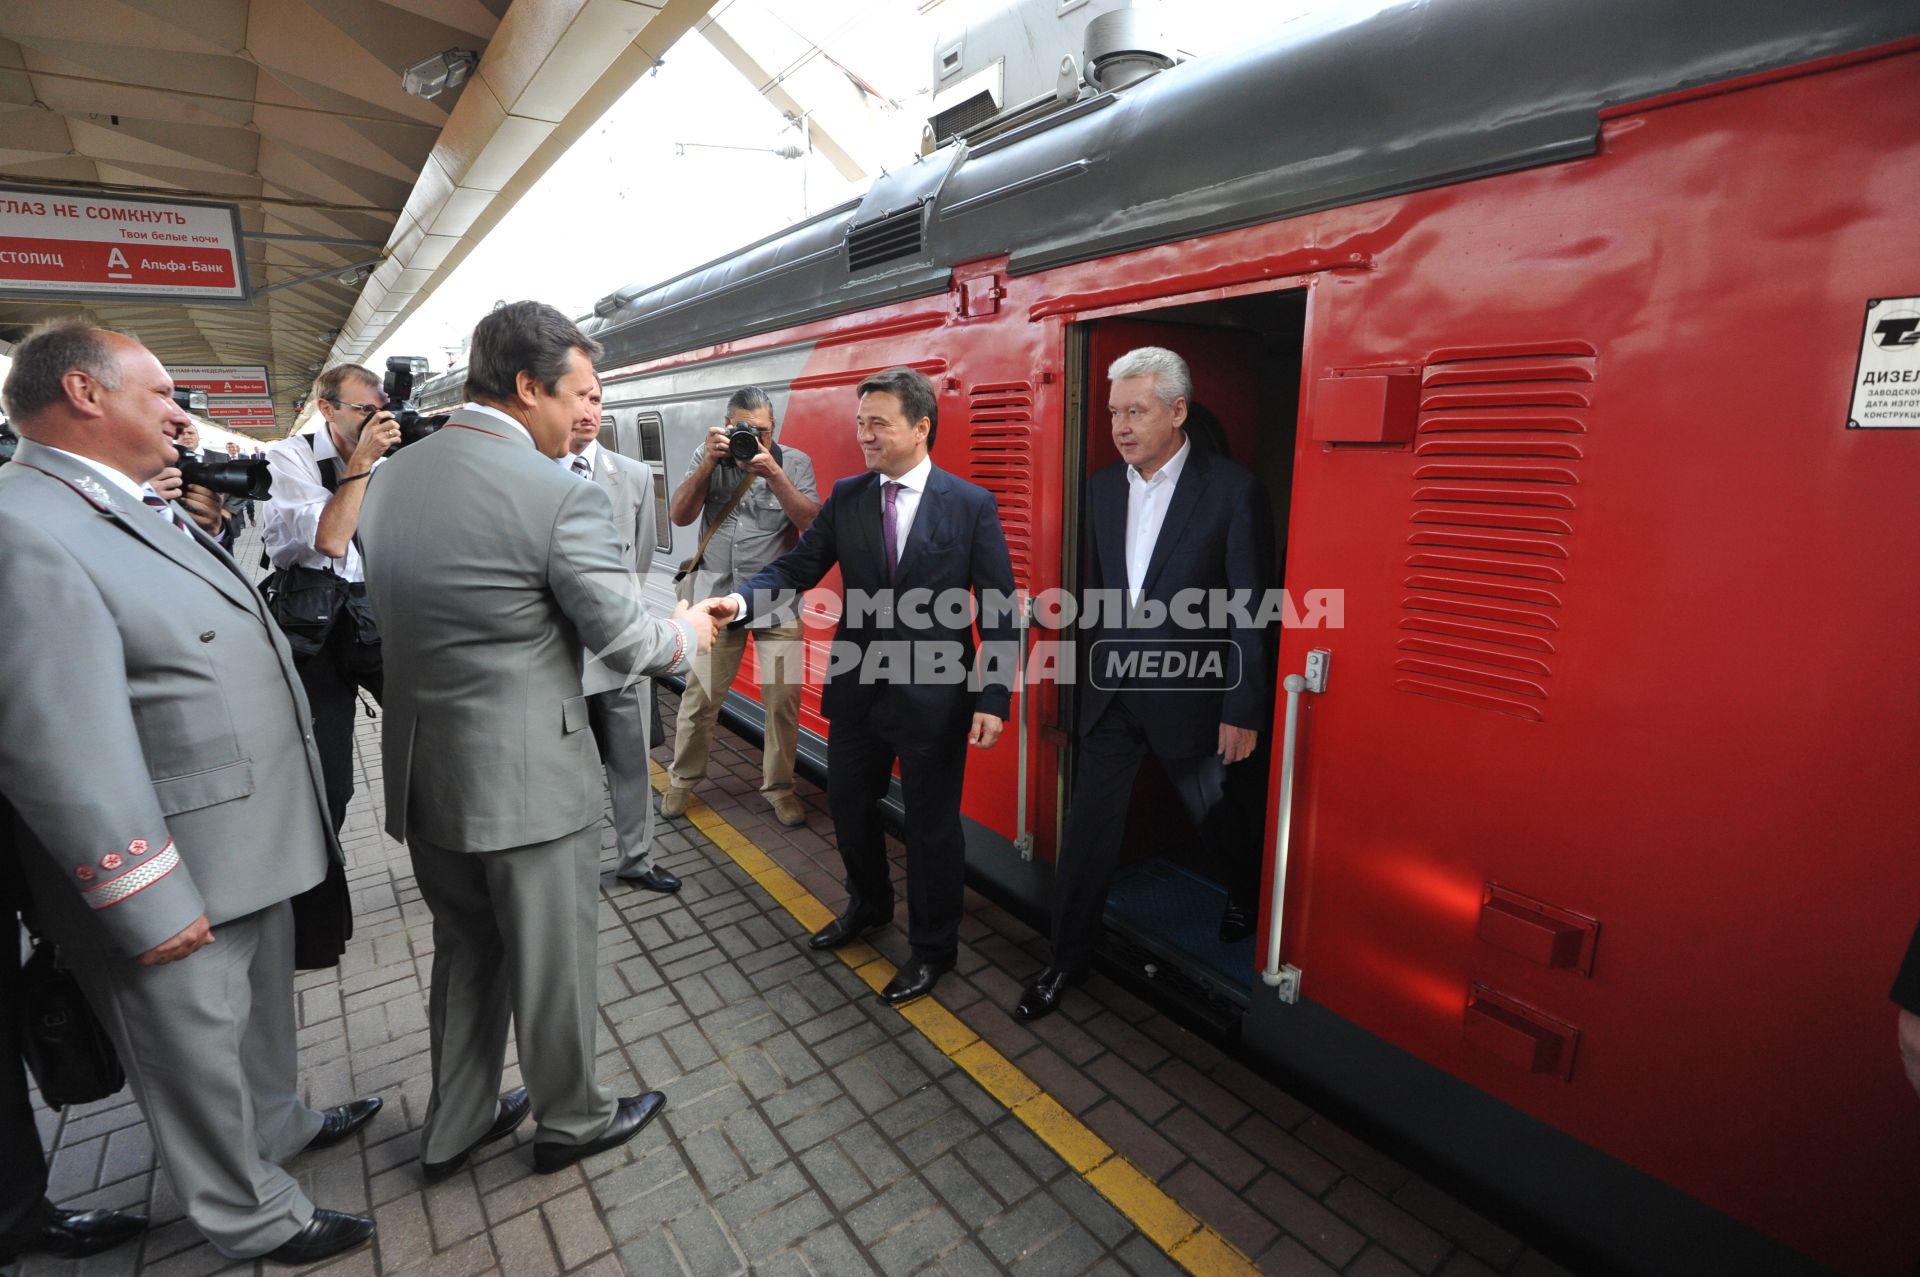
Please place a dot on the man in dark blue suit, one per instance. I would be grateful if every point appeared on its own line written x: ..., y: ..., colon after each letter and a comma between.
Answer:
x: 1176, y: 529
x: 902, y: 682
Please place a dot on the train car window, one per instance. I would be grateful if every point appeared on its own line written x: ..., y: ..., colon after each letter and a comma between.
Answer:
x: 610, y: 434
x: 653, y: 450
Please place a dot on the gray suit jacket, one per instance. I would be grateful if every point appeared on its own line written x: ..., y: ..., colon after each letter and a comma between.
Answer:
x: 491, y: 568
x: 154, y: 737
x: 629, y: 486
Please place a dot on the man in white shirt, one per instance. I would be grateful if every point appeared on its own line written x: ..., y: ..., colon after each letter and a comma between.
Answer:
x: 319, y: 480
x: 1166, y: 519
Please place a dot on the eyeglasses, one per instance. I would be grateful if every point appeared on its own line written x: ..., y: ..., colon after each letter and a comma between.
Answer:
x: 357, y: 407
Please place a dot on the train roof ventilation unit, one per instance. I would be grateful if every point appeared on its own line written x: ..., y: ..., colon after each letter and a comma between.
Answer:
x: 1124, y: 47
x: 887, y: 238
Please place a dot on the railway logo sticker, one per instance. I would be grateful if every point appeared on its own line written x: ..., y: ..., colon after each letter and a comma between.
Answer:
x: 1886, y: 379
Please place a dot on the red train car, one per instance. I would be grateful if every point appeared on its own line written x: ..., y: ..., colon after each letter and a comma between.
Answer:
x: 1544, y: 326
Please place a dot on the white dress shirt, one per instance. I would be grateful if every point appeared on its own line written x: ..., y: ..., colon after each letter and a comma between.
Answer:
x: 292, y: 520
x: 906, y: 502
x: 1147, y: 502
x: 500, y: 417
x: 590, y: 453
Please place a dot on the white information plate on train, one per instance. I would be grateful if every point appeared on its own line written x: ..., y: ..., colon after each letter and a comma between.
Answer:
x: 1886, y: 380
x: 66, y: 244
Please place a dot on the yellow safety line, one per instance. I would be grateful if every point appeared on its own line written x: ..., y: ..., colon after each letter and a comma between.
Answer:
x: 1187, y: 1241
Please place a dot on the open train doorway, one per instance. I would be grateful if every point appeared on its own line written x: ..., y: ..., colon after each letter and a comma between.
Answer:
x: 1165, y: 909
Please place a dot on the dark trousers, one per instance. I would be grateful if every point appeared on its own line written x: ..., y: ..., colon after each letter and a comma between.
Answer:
x: 933, y: 759
x: 23, y: 1179
x: 330, y: 680
x: 1110, y: 758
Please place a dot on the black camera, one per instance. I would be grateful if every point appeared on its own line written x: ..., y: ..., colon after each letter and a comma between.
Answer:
x: 414, y: 424
x: 246, y: 477
x: 9, y: 443
x: 743, y: 445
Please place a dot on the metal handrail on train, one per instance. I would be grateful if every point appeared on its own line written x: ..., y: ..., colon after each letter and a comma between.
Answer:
x: 1023, y: 837
x: 1286, y: 979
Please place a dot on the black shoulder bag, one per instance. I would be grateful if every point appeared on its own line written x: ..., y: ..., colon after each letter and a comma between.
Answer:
x: 307, y: 602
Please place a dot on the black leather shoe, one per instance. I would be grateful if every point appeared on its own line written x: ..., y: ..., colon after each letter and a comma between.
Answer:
x: 1236, y: 923
x: 915, y: 980
x: 327, y: 1234
x: 654, y: 879
x: 73, y: 1233
x: 1042, y: 997
x: 341, y: 1121
x: 512, y: 1111
x: 844, y: 930
x: 635, y: 1111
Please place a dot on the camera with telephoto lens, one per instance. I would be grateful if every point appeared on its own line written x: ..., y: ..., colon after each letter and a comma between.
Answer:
x: 246, y: 477
x: 414, y: 424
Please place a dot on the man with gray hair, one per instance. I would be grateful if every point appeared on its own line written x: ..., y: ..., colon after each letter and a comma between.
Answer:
x: 1163, y: 494
x: 741, y: 534
x: 154, y: 745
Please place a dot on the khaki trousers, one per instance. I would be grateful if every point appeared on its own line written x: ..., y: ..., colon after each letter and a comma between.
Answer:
x: 781, y: 656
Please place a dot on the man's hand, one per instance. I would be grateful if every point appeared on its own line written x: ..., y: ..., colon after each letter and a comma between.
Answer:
x: 1236, y: 742
x: 717, y: 450
x: 720, y: 609
x: 765, y: 466
x: 198, y: 935
x: 206, y: 508
x: 986, y: 730
x: 700, y: 617
x: 167, y: 483
x: 376, y: 440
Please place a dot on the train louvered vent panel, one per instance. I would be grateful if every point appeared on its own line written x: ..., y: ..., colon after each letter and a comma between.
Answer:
x: 1498, y: 467
x: 885, y: 239
x: 1000, y: 456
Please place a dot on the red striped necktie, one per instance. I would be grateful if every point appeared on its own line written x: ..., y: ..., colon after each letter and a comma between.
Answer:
x: 166, y: 511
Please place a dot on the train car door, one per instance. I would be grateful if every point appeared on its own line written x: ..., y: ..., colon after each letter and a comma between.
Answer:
x: 1165, y: 908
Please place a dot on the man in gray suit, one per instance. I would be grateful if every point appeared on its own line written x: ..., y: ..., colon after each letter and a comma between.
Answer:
x: 617, y: 707
x: 154, y: 745
x: 491, y: 568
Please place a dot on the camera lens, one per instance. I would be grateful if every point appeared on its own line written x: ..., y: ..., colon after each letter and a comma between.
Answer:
x: 743, y: 444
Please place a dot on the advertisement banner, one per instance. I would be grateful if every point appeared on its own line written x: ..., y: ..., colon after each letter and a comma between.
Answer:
x: 69, y: 244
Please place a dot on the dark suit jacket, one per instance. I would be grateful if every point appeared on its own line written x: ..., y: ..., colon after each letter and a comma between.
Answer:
x: 1218, y: 535
x: 955, y: 543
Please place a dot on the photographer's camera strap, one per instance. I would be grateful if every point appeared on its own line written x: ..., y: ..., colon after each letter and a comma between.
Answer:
x: 726, y: 512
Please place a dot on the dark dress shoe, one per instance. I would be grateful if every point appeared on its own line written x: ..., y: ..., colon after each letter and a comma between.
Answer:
x: 341, y: 1121
x: 635, y: 1111
x: 1042, y: 997
x: 512, y: 1111
x: 327, y: 1234
x: 72, y: 1233
x: 1236, y: 923
x: 844, y: 930
x: 654, y: 879
x: 915, y: 980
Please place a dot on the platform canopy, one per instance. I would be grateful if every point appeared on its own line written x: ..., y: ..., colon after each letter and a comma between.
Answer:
x: 355, y: 197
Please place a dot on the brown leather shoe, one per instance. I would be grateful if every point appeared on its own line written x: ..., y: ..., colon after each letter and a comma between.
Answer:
x: 674, y: 801
x: 787, y: 809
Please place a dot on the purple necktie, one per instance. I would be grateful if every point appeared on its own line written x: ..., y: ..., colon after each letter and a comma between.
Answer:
x: 581, y: 468
x: 888, y: 492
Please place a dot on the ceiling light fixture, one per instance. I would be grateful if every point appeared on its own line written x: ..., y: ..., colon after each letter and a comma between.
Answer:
x: 430, y: 77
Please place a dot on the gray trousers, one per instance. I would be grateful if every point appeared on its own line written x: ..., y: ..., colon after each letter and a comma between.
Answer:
x: 208, y: 1044
x: 515, y: 936
x: 619, y: 722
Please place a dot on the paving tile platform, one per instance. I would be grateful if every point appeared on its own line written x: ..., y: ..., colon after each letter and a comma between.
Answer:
x: 809, y: 1129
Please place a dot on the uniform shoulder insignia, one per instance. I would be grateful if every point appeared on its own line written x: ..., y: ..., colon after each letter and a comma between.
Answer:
x: 93, y: 490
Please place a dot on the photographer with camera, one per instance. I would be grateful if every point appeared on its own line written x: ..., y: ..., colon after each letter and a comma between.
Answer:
x: 753, y: 499
x: 318, y: 591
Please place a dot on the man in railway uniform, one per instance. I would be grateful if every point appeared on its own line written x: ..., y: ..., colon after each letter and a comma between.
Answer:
x: 740, y: 539
x: 1166, y: 518
x: 154, y: 745
x: 490, y: 568
x: 904, y: 526
x: 617, y: 708
x: 319, y: 481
